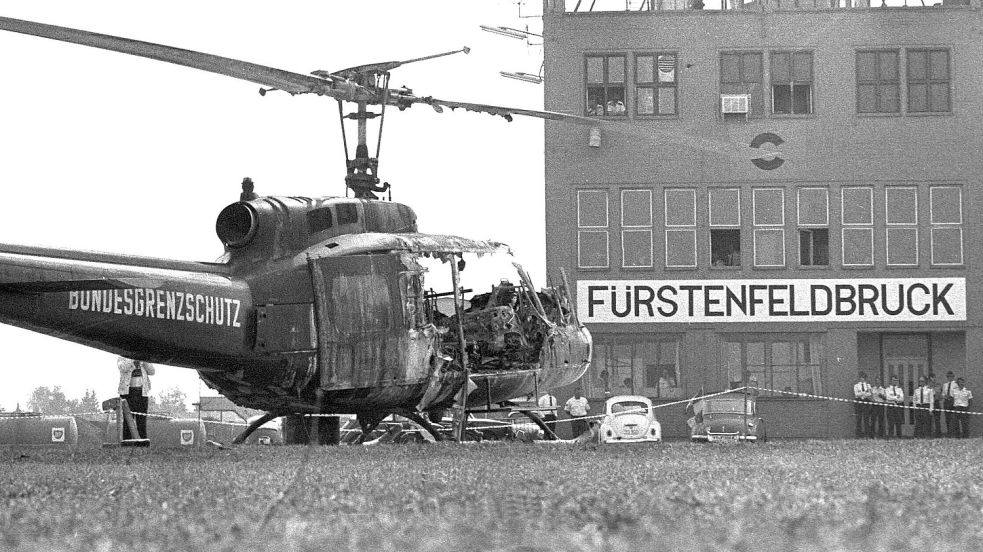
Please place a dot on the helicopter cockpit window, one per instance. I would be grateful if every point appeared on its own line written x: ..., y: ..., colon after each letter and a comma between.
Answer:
x: 347, y: 213
x: 319, y: 219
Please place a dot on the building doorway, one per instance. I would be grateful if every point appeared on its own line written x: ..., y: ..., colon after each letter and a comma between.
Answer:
x: 906, y: 356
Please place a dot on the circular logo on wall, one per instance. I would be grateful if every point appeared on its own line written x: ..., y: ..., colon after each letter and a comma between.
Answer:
x: 767, y: 138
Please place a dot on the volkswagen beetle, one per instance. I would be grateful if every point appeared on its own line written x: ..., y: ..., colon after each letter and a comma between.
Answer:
x: 629, y: 419
x: 727, y: 417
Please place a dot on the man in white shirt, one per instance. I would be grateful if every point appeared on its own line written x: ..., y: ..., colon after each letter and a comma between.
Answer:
x: 577, y: 406
x: 894, y: 399
x: 922, y: 400
x: 861, y: 407
x: 134, y: 386
x: 947, y: 401
x: 962, y: 398
x: 877, y: 414
x: 547, y: 404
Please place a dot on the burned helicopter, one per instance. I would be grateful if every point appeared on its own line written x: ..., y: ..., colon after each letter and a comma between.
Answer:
x: 319, y: 305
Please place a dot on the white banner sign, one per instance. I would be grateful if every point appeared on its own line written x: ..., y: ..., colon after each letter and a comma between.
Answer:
x: 806, y: 300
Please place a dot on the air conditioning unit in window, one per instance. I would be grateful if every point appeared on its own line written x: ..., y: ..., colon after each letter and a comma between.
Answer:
x: 735, y: 103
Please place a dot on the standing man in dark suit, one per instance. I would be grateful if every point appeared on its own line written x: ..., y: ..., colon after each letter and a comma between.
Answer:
x: 947, y: 402
x: 922, y: 401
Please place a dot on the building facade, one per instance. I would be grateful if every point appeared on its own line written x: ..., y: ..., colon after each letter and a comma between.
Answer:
x: 774, y: 194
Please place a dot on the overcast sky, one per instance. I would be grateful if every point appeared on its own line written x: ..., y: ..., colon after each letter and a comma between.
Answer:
x: 108, y: 152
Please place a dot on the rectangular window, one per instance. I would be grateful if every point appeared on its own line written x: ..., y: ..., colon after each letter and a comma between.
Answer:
x: 812, y: 212
x: 606, y: 85
x: 791, y: 82
x: 725, y: 226
x: 901, y: 218
x: 789, y: 363
x: 928, y: 81
x: 627, y: 365
x: 636, y: 228
x: 655, y: 84
x: 946, y: 203
x: 680, y: 220
x: 878, y: 82
x: 769, y: 226
x: 592, y: 229
x: 741, y: 73
x: 857, y: 238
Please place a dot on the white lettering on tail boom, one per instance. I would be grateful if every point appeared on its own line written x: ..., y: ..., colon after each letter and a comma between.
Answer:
x: 159, y: 304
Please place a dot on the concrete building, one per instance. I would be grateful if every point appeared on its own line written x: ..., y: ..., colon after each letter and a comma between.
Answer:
x: 777, y: 193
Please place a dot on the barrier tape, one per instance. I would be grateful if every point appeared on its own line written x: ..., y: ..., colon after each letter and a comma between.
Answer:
x: 855, y: 401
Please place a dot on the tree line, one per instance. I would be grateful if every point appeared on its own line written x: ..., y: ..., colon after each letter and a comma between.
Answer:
x: 52, y: 400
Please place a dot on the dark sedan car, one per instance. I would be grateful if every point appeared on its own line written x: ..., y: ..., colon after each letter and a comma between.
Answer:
x: 727, y: 417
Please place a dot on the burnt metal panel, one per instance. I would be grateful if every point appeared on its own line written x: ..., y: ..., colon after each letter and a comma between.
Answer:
x: 285, y: 328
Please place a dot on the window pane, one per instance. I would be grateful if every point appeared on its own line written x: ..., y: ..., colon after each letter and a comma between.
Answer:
x: 667, y: 68
x: 616, y: 101
x: 667, y: 101
x: 681, y: 248
x: 645, y: 101
x: 917, y: 65
x: 725, y: 247
x: 725, y: 207
x: 592, y: 208
x: 940, y: 97
x: 769, y: 247
x: 751, y: 67
x: 643, y: 69
x: 939, y: 65
x: 814, y: 247
x: 637, y: 246
x: 888, y: 66
x: 592, y: 248
x: 890, y: 102
x: 733, y: 363
x: 866, y: 66
x: 802, y: 67
x: 769, y: 208
x: 856, y: 204
x: 858, y: 247
x: 946, y: 205
x: 680, y: 207
x: 902, y: 246
x: 813, y: 206
x: 802, y: 98
x: 917, y: 97
x: 781, y: 98
x: 947, y: 246
x: 781, y: 353
x: 902, y: 205
x: 867, y: 98
x: 781, y: 68
x: 595, y: 100
x: 730, y: 68
x: 636, y: 208
x: 616, y: 69
x: 595, y: 69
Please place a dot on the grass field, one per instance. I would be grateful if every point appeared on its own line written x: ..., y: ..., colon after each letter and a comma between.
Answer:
x: 813, y: 495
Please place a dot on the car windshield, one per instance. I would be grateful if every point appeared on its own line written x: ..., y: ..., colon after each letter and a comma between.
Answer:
x: 629, y: 407
x: 731, y: 406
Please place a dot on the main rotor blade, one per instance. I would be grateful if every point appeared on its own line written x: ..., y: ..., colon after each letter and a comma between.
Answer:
x: 294, y: 83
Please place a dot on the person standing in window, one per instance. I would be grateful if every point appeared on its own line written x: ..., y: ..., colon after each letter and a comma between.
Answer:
x: 962, y: 398
x: 134, y: 386
x: 894, y: 399
x: 861, y: 406
x: 577, y: 406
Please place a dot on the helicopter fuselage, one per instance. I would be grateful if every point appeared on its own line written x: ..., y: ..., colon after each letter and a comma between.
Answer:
x: 318, y: 305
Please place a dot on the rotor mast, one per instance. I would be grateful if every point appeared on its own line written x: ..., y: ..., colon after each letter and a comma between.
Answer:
x: 362, y: 171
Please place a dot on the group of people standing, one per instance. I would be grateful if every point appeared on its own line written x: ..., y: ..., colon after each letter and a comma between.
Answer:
x: 880, y: 409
